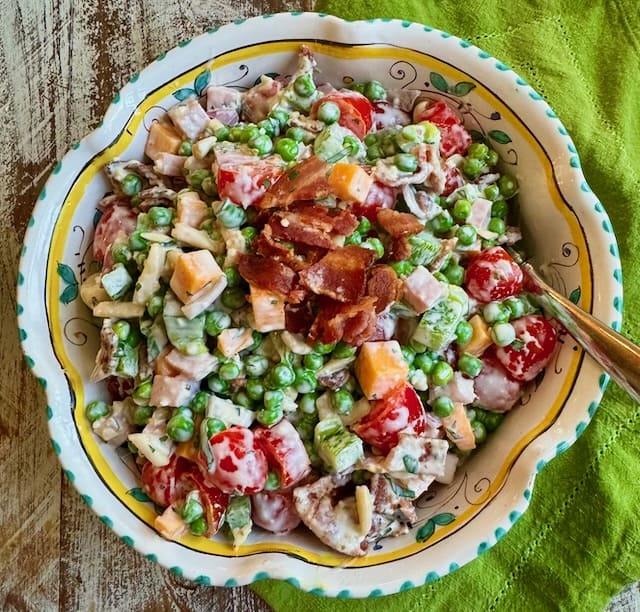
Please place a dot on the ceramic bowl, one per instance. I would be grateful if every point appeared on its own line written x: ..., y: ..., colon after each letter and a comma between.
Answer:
x: 565, y: 224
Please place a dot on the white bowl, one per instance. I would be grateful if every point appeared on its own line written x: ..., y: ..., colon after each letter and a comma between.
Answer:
x: 566, y: 225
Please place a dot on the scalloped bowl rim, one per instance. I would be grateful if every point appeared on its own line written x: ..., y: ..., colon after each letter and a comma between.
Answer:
x: 32, y: 315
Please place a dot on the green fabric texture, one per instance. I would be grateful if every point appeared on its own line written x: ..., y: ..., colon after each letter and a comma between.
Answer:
x: 579, y: 542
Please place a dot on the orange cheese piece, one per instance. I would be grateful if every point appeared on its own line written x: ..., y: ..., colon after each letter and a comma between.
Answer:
x: 350, y: 182
x: 458, y: 428
x: 163, y: 138
x: 192, y: 272
x: 380, y: 367
x: 481, y: 338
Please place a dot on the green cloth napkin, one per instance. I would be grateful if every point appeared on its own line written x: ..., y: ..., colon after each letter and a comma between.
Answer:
x: 579, y: 542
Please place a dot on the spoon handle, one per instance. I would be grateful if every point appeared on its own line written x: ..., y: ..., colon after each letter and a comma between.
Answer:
x: 619, y: 357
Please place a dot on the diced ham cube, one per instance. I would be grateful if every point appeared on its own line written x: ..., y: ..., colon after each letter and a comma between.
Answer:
x: 190, y: 209
x: 163, y: 138
x: 221, y: 97
x: 268, y: 310
x: 172, y: 390
x: 458, y: 389
x: 170, y: 524
x: 422, y: 289
x: 233, y: 340
x: 480, y: 213
x: 194, y: 367
x: 189, y: 117
x: 169, y: 164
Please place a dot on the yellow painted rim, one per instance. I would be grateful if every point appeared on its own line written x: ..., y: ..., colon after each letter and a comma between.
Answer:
x: 62, y: 230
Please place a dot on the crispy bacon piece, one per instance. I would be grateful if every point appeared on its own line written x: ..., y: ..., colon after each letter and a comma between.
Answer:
x: 298, y: 317
x: 267, y: 274
x: 400, y: 249
x: 305, y: 181
x: 297, y: 259
x: 398, y: 224
x: 341, y: 274
x: 385, y: 286
x: 354, y: 323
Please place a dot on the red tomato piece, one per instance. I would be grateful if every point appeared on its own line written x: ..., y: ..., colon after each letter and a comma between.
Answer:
x: 538, y: 338
x: 453, y: 180
x: 454, y: 138
x: 274, y: 511
x: 400, y: 411
x: 116, y: 223
x: 163, y: 484
x: 285, y: 451
x: 214, y: 501
x: 244, y: 179
x: 494, y: 388
x: 493, y: 275
x: 356, y: 112
x: 379, y: 196
x: 239, y: 465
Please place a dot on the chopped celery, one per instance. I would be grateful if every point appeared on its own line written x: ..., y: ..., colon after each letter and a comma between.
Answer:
x: 238, y: 518
x: 117, y: 281
x: 338, y: 448
x: 424, y: 248
x: 437, y: 327
x: 187, y: 335
x: 127, y: 360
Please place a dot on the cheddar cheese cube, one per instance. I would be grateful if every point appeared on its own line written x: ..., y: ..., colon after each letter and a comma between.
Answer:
x: 380, y: 367
x: 192, y: 272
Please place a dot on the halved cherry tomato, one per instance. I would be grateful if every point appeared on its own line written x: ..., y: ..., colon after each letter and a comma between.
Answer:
x: 356, y: 112
x: 538, y: 340
x: 117, y: 221
x: 453, y: 180
x: 493, y: 275
x: 163, y: 484
x: 454, y: 138
x: 213, y: 500
x: 400, y: 411
x: 379, y: 196
x: 239, y: 465
x: 274, y: 511
x: 244, y: 179
x: 285, y: 451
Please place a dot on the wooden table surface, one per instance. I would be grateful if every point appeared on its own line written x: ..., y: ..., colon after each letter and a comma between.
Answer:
x: 60, y: 64
x: 59, y: 67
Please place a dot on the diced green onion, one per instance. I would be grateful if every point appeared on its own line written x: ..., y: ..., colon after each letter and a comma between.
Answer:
x: 192, y: 510
x: 198, y: 527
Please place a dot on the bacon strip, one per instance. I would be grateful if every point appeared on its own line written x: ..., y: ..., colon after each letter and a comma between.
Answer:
x: 398, y: 224
x: 385, y: 286
x: 341, y: 274
x: 267, y: 274
x: 354, y: 323
x: 400, y: 249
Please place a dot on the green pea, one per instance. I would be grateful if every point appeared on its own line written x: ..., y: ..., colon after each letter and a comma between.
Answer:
x: 443, y: 407
x: 282, y: 376
x: 375, y: 91
x: 196, y: 177
x: 467, y: 235
x: 492, y: 420
x: 235, y: 133
x: 136, y: 241
x: 269, y: 417
x: 249, y: 133
x: 454, y: 273
x: 313, y: 361
x: 370, y: 139
x: 155, y: 305
x: 185, y: 149
x: 343, y: 350
x: 255, y: 389
x: 270, y: 127
x: 217, y: 385
x: 472, y: 168
x: 479, y: 431
x: 424, y: 362
x: 485, y: 243
x: 287, y: 148
x: 262, y: 144
x: 323, y: 349
x: 497, y: 225
x: 249, y: 233
x: 233, y: 298
x: 222, y: 133
x: 405, y: 162
x: 508, y: 186
x: 142, y: 391
x: 296, y: 133
x: 131, y: 184
x: 142, y: 414
x: 374, y: 152
x: 503, y: 334
x: 273, y: 399
x: 304, y: 86
x: 241, y: 398
x: 408, y: 354
x: 214, y: 426
x: 342, y: 401
x: 281, y: 116
x: 229, y: 371
x: 495, y: 312
x: 180, y: 428
x: 233, y: 277
x: 402, y: 268
x: 200, y: 402
x: 257, y: 338
x: 96, y: 410
x: 122, y: 329
x: 305, y: 381
x: 516, y: 307
x: 273, y: 481
x: 364, y: 226
x: 328, y: 112
x: 352, y: 144
x: 461, y: 210
x: 355, y: 238
x: 374, y: 244
x: 160, y: 215
x: 231, y: 216
x: 491, y: 192
x: 192, y: 510
x: 307, y: 403
x: 478, y: 150
x: 198, y: 527
x: 216, y: 321
x: 442, y: 223
x: 442, y: 373
x: 411, y: 133
x: 492, y: 158
x: 469, y: 365
x: 464, y: 333
x: 256, y: 365
x: 121, y: 253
